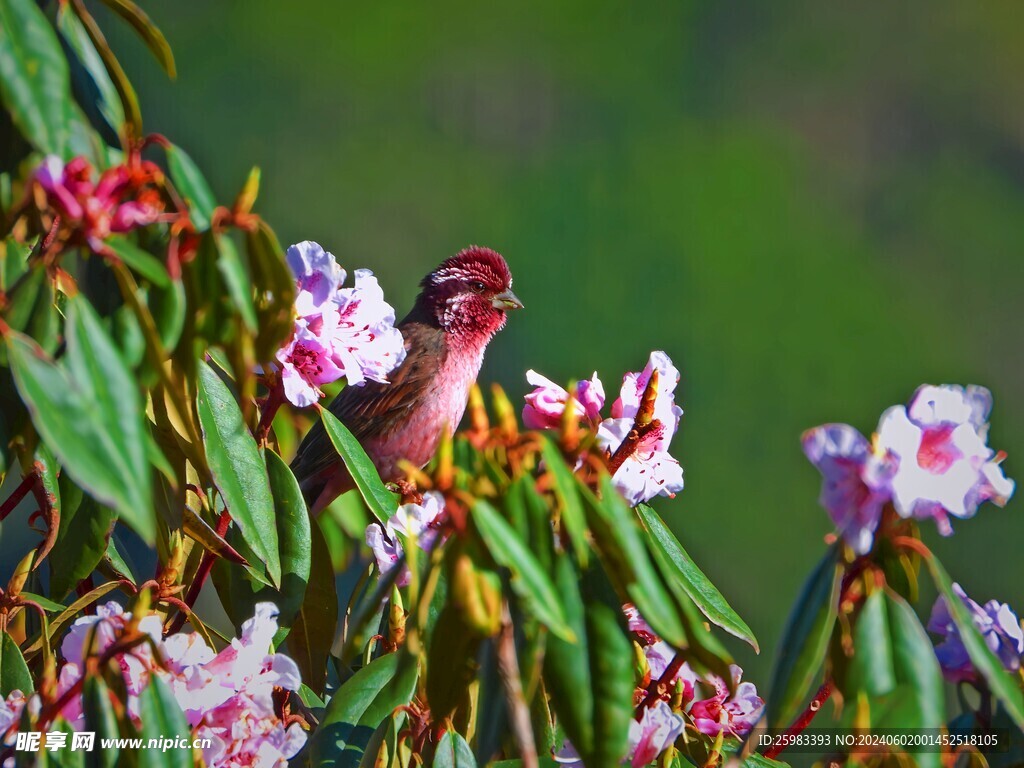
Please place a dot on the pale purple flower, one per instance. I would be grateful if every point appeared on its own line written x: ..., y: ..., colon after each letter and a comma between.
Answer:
x: 410, y: 520
x: 338, y: 331
x: 545, y: 406
x: 10, y: 713
x: 856, y: 481
x: 735, y: 714
x: 638, y: 625
x: 318, y: 277
x: 649, y: 471
x: 996, y: 622
x: 945, y: 465
x: 656, y: 730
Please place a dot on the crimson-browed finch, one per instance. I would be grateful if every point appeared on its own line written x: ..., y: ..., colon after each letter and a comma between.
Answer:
x: 461, y: 306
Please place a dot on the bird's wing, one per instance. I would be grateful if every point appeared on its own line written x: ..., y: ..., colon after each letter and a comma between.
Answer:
x: 375, y: 409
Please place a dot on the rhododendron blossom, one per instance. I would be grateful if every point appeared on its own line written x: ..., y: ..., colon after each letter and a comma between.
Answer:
x: 996, y: 622
x: 649, y: 470
x: 227, y: 697
x: 856, y: 480
x: 545, y: 406
x: 657, y: 728
x: 95, y: 209
x: 410, y: 520
x: 945, y: 465
x: 735, y: 714
x: 338, y: 331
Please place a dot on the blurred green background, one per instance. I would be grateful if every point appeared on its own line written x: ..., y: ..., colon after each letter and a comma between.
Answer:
x: 812, y: 207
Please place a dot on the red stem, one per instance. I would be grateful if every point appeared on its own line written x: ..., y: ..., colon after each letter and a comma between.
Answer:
x: 275, y: 398
x: 19, y: 493
x: 803, y: 721
x: 202, y: 574
x: 654, y: 690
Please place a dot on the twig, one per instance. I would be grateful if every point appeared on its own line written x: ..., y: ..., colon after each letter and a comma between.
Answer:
x: 655, y: 689
x: 803, y: 721
x: 19, y: 493
x: 630, y: 444
x: 508, y: 668
x: 202, y: 573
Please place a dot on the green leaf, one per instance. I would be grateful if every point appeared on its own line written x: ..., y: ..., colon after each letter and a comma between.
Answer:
x: 573, y: 516
x: 872, y: 667
x: 143, y: 262
x: 1002, y: 685
x: 239, y: 594
x: 238, y: 469
x: 916, y: 670
x: 34, y: 79
x: 236, y: 279
x: 379, y: 499
x: 611, y: 673
x: 161, y: 716
x: 275, y: 289
x: 14, y: 674
x: 805, y: 640
x: 89, y: 413
x: 312, y: 634
x: 191, y: 185
x: 529, y: 581
x: 147, y: 30
x: 85, y: 527
x: 44, y: 602
x: 31, y: 309
x: 100, y: 719
x: 359, y: 706
x: 451, y: 662
x: 453, y: 752
x: 74, y: 32
x: 698, y: 586
x: 620, y: 542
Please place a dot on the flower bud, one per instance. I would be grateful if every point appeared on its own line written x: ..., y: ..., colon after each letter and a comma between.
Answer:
x: 17, y: 582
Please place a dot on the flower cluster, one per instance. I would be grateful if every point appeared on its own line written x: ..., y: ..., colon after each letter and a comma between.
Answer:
x: 227, y: 697
x: 996, y: 622
x: 95, y: 210
x: 929, y: 459
x: 648, y: 470
x: 338, y: 331
x: 410, y: 520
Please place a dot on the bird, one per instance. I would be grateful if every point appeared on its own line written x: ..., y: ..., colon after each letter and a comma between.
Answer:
x: 462, y: 304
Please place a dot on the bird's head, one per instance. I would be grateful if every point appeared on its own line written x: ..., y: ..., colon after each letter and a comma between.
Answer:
x: 470, y: 293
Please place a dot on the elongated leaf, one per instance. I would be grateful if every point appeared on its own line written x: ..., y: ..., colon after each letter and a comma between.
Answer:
x: 453, y: 752
x: 917, y: 670
x: 620, y: 542
x: 698, y: 586
x: 44, y: 602
x: 161, y: 716
x: 34, y: 81
x: 312, y: 633
x: 108, y: 102
x: 100, y: 719
x: 380, y: 500
x: 872, y: 667
x: 191, y: 185
x: 529, y: 580
x: 359, y: 706
x: 451, y: 662
x: 147, y: 30
x: 1003, y: 686
x: 31, y: 309
x: 611, y: 673
x: 14, y: 674
x: 275, y: 289
x: 236, y: 279
x: 82, y: 538
x: 573, y: 517
x: 88, y: 411
x: 238, y: 469
x: 143, y: 262
x: 805, y: 640
x: 239, y: 594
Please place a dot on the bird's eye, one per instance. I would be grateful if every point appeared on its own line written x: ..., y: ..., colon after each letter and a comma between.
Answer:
x: 476, y: 286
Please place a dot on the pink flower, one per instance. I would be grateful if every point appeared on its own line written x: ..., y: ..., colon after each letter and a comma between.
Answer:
x: 409, y: 520
x: 657, y: 729
x: 546, y: 404
x: 338, y: 331
x: 649, y: 471
x: 735, y: 714
x: 856, y: 481
x: 95, y: 209
x: 10, y: 713
x: 945, y: 465
x: 638, y: 625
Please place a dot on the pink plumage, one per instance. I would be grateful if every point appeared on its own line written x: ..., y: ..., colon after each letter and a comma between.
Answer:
x: 462, y: 304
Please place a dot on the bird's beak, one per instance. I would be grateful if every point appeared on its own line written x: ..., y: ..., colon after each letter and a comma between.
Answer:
x: 506, y: 300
